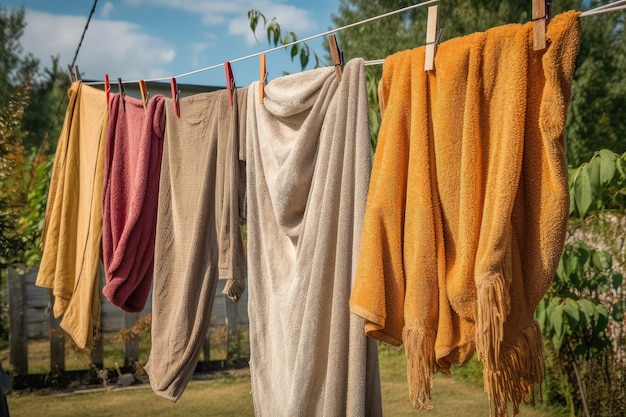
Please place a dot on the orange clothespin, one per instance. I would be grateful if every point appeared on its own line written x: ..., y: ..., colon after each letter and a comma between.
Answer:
x: 230, y: 81
x: 144, y: 93
x: 432, y: 38
x: 107, y: 87
x: 540, y: 19
x: 175, y: 96
x: 337, y: 54
x: 262, y: 79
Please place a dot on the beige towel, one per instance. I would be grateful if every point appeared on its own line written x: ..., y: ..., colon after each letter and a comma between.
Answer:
x: 198, y: 239
x: 468, y: 205
x: 308, y: 165
x: 73, y: 222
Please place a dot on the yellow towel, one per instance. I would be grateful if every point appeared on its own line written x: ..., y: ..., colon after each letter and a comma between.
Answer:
x: 73, y: 223
x: 467, y: 206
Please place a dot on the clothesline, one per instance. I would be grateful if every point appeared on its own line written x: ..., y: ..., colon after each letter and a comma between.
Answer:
x: 319, y: 35
x: 610, y: 7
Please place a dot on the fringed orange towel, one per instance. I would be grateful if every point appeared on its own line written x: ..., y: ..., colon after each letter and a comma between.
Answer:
x: 467, y: 206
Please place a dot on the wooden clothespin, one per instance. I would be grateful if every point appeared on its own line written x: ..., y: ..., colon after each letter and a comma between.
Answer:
x: 175, y: 96
x: 74, y: 74
x: 144, y: 93
x: 540, y: 19
x: 230, y: 81
x: 262, y: 79
x: 107, y: 87
x: 337, y: 55
x: 432, y: 38
x: 120, y: 87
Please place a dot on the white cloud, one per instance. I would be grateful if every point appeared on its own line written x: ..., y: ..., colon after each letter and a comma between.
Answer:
x: 118, y: 48
x: 106, y: 10
x: 234, y: 14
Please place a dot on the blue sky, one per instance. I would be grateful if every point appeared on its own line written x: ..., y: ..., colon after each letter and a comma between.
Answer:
x: 142, y: 39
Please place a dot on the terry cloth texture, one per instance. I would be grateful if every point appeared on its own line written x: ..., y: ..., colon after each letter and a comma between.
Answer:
x: 198, y: 238
x: 308, y: 166
x: 73, y: 224
x: 467, y: 206
x: 132, y: 169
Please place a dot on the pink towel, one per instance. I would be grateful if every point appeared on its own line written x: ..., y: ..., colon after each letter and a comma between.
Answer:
x: 130, y: 193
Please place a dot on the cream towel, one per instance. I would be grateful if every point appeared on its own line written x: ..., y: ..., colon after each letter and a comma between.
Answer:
x: 308, y: 166
x: 73, y: 222
x: 468, y: 204
x: 198, y: 239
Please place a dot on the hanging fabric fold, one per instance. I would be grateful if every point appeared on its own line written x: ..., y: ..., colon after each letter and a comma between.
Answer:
x: 468, y: 204
x: 198, y: 237
x: 308, y: 164
x: 131, y: 185
x: 73, y: 222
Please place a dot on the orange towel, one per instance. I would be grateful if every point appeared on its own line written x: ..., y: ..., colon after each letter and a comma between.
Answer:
x: 467, y: 206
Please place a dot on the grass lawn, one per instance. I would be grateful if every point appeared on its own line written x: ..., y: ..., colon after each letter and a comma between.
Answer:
x: 228, y: 394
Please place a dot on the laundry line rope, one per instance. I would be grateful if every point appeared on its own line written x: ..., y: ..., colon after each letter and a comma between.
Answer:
x: 319, y: 35
x: 610, y: 7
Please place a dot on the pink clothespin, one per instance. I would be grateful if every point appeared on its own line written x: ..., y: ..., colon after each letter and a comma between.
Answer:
x: 230, y: 81
x: 107, y: 87
x: 175, y: 96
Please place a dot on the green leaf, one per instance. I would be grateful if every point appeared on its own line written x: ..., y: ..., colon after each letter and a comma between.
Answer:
x: 304, y: 57
x: 601, y: 317
x: 582, y: 192
x: 602, y: 260
x: 607, y: 166
x: 593, y: 169
x: 540, y: 313
x: 617, y: 279
x: 588, y: 308
x: 294, y: 51
x: 556, y: 319
x: 572, y: 313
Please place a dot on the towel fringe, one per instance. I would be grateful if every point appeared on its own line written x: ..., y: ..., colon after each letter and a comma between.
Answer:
x: 520, y: 366
x: 419, y: 346
x: 493, y: 306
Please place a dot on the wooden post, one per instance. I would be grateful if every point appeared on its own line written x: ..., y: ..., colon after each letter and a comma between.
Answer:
x: 18, y: 340
x: 131, y: 346
x: 232, y: 328
x: 97, y: 353
x: 206, y: 347
x: 57, y: 341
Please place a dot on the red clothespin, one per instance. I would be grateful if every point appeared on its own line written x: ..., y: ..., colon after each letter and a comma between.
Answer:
x: 230, y: 81
x: 107, y: 87
x: 144, y: 93
x: 262, y: 79
x: 337, y: 55
x: 175, y: 96
x: 540, y: 19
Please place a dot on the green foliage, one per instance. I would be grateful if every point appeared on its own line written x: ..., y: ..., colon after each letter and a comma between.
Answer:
x: 276, y: 36
x: 598, y: 185
x: 596, y: 113
x: 582, y: 314
x: 574, y: 311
